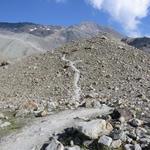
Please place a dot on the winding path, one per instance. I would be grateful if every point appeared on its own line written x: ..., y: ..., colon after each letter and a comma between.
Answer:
x: 76, y: 87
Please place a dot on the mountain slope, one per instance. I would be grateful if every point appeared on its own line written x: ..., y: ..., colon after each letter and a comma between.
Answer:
x: 23, y: 39
x: 142, y: 43
x: 101, y: 69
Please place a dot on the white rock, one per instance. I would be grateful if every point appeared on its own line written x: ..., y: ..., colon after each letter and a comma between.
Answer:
x: 137, y: 147
x: 73, y: 148
x: 2, y: 116
x: 1, y: 121
x: 129, y: 147
x: 116, y: 144
x: 105, y: 140
x: 54, y: 145
x: 95, y: 128
x: 136, y: 122
x: 5, y: 124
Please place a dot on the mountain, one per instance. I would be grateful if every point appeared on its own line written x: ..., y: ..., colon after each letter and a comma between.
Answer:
x: 142, y: 43
x: 31, y: 28
x: 99, y: 68
x: 24, y: 39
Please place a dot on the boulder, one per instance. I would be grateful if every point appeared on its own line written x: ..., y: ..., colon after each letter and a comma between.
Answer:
x: 94, y: 129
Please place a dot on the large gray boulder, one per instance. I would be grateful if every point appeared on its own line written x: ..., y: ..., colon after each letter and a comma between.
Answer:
x: 95, y: 128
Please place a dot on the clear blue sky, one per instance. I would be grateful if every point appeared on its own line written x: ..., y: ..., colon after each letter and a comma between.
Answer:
x: 52, y: 12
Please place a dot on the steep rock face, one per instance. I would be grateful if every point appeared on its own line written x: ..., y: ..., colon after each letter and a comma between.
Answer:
x: 142, y: 43
x: 24, y: 39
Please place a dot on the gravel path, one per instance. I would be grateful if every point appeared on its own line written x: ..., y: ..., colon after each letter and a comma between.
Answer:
x: 76, y: 87
x: 33, y: 137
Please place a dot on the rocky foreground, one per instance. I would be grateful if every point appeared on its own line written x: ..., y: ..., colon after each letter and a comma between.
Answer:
x: 88, y: 95
x: 97, y: 128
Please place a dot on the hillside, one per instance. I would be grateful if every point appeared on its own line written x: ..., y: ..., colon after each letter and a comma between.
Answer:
x: 24, y: 39
x: 102, y: 69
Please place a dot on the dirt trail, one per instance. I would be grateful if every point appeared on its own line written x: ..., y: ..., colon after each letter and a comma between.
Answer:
x: 34, y: 136
x: 76, y: 87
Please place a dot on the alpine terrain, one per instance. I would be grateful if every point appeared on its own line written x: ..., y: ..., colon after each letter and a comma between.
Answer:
x: 78, y: 88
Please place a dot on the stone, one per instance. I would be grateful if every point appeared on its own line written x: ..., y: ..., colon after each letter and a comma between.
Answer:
x: 43, y: 113
x: 2, y: 116
x: 129, y: 140
x: 94, y: 129
x: 116, y: 144
x: 87, y: 143
x: 122, y: 119
x: 145, y: 140
x: 73, y: 148
x: 116, y: 134
x: 109, y: 127
x: 135, y: 122
x: 115, y: 115
x: 137, y: 147
x: 30, y: 105
x: 121, y: 47
x: 123, y: 136
x: 132, y: 135
x: 140, y: 132
x: 1, y: 121
x: 5, y: 124
x: 105, y: 140
x: 97, y: 104
x: 104, y: 37
x: 54, y: 145
x: 129, y: 147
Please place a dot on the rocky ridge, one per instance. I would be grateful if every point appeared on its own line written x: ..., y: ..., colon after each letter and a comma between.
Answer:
x: 18, y: 40
x: 142, y: 43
